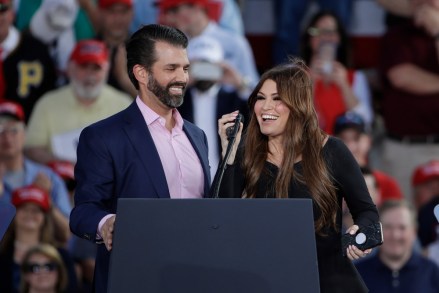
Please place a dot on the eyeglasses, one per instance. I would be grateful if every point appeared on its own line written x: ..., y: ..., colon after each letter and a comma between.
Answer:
x: 4, y: 7
x: 14, y: 130
x: 315, y: 32
x: 36, y: 268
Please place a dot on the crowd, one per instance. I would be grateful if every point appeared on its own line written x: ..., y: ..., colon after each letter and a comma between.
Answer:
x: 63, y: 67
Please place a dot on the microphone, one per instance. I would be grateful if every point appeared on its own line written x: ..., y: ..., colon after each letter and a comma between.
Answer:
x: 232, y: 131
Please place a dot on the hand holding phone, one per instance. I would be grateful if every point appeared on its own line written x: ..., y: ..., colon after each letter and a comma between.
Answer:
x: 326, y: 53
x: 365, y: 238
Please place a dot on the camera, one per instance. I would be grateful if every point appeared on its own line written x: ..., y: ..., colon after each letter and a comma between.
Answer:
x: 365, y: 238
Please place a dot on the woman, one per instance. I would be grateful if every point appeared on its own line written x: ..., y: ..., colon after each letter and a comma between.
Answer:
x: 337, y: 88
x: 43, y: 270
x: 285, y: 154
x: 32, y: 225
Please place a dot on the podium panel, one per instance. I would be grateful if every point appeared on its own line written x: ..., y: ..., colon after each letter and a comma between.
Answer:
x: 214, y: 246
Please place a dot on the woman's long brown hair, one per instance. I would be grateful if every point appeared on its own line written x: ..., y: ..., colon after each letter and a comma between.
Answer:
x: 303, y: 137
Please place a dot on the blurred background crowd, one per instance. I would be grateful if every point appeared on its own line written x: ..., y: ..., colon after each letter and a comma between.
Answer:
x: 375, y: 68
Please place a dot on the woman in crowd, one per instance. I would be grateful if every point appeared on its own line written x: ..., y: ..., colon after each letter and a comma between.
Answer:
x: 43, y: 271
x: 32, y: 225
x: 284, y: 154
x: 337, y: 88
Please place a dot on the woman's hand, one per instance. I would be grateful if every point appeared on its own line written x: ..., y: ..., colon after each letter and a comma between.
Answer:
x: 339, y: 75
x: 352, y: 251
x: 43, y: 181
x: 226, y: 121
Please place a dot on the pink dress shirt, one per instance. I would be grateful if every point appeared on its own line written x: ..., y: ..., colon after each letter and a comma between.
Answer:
x: 182, y: 167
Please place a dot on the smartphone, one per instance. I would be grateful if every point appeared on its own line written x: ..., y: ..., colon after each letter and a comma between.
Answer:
x: 326, y: 53
x: 202, y: 70
x: 365, y: 238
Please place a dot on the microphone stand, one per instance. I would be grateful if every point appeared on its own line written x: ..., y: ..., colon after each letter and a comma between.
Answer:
x: 222, y: 167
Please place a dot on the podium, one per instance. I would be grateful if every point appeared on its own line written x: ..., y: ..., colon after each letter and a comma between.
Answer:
x: 214, y: 246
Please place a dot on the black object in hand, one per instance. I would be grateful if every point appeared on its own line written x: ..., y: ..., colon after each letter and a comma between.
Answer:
x: 233, y: 130
x: 365, y: 238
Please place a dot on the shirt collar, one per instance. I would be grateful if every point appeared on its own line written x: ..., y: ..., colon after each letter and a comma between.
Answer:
x: 150, y: 116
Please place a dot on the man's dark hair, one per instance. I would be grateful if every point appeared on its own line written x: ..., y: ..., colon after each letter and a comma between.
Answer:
x: 141, y: 46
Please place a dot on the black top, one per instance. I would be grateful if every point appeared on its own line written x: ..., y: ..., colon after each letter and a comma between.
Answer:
x: 337, y: 274
x: 29, y: 72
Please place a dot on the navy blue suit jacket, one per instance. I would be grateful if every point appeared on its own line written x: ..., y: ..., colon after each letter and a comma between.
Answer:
x: 117, y: 158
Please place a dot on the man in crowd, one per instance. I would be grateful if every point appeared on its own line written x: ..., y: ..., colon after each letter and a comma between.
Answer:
x: 18, y: 171
x: 191, y: 17
x: 60, y: 115
x: 397, y: 267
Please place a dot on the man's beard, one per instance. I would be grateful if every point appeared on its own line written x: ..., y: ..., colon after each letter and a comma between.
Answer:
x: 162, y: 92
x: 87, y: 92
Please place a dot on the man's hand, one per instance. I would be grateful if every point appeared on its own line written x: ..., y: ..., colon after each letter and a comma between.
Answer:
x: 107, y: 232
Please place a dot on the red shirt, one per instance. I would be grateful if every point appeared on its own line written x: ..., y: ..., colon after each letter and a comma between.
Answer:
x: 407, y: 113
x: 329, y: 102
x: 389, y: 189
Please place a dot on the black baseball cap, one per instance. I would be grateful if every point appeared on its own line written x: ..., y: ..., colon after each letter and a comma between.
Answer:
x: 349, y: 120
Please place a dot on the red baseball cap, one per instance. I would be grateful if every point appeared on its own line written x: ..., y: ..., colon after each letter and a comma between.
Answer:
x: 31, y: 194
x: 169, y: 4
x: 90, y: 51
x: 65, y: 169
x: 12, y: 109
x: 107, y: 3
x: 426, y: 172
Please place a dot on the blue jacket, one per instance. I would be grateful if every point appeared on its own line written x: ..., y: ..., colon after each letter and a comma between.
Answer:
x: 59, y: 194
x: 417, y: 275
x: 117, y: 158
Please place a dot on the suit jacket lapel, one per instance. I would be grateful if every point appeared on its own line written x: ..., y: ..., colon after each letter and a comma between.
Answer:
x: 145, y: 148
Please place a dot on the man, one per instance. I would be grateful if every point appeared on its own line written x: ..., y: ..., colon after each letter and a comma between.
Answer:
x: 147, y: 150
x: 425, y: 181
x: 60, y: 115
x: 115, y: 20
x: 206, y: 100
x: 397, y: 267
x: 350, y: 128
x: 19, y: 171
x: 411, y: 92
x: 26, y: 68
x: 191, y: 17
x: 53, y: 24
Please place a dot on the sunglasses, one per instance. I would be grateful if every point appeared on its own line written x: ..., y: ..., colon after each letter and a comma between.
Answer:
x: 36, y: 268
x: 4, y: 7
x: 315, y: 32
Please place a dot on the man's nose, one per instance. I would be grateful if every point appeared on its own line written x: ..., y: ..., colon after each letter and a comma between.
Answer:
x: 182, y: 75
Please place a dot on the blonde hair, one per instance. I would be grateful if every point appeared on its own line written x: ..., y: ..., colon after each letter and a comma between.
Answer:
x: 52, y: 253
